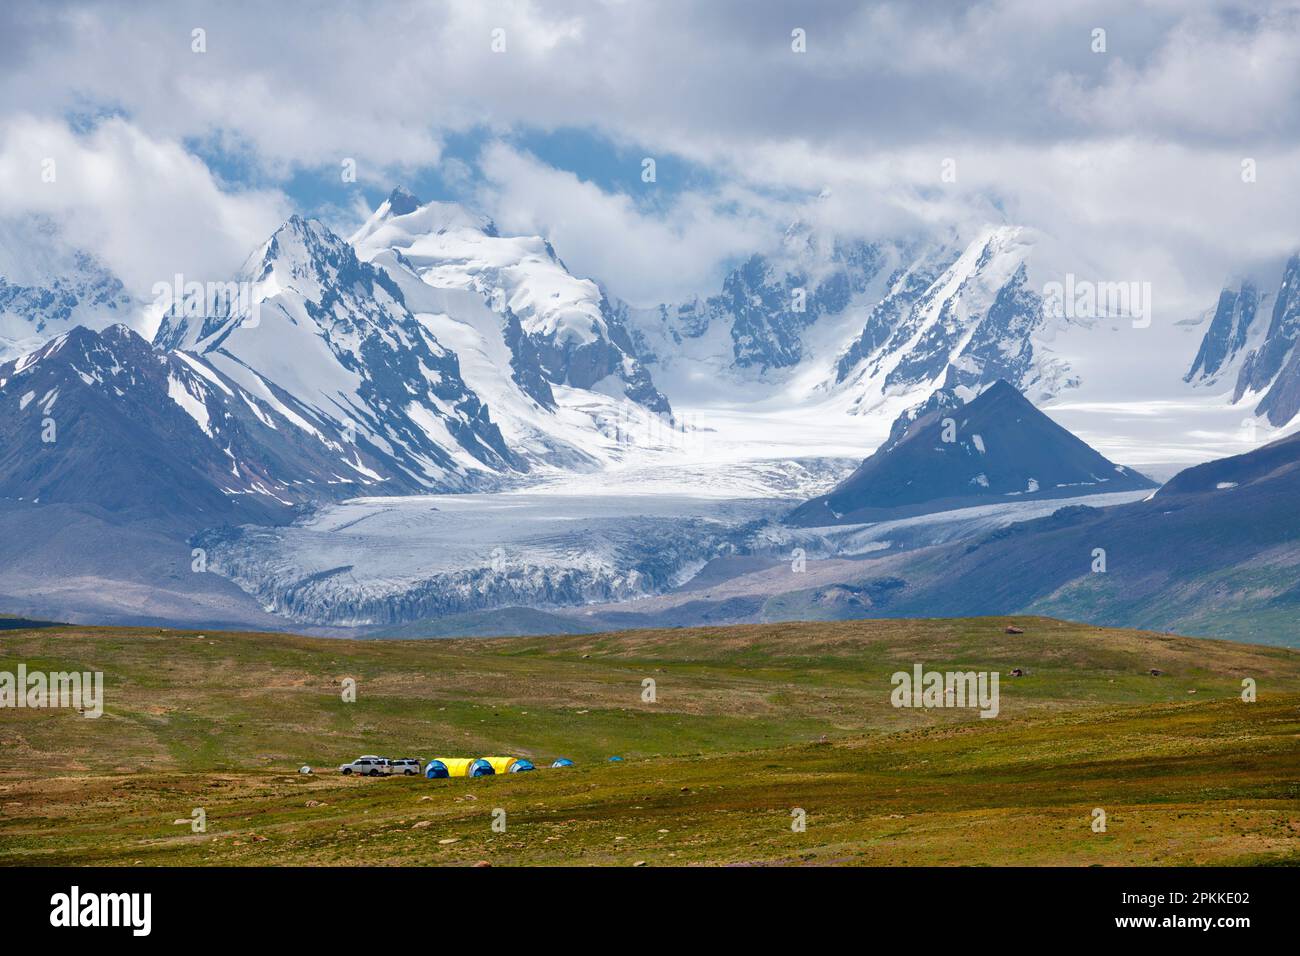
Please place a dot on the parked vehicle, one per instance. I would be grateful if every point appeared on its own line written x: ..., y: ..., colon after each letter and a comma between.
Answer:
x: 407, y: 766
x: 367, y: 766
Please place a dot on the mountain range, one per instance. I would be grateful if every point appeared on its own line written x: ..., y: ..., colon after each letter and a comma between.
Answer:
x: 860, y: 326
x: 429, y: 353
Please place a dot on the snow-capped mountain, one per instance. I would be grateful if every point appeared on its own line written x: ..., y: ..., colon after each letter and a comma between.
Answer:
x: 847, y: 329
x: 775, y: 312
x: 1233, y: 333
x: 432, y: 354
x: 562, y: 330
x: 761, y: 317
x: 547, y: 352
x: 328, y: 341
x: 46, y: 290
x: 1253, y: 339
x: 1273, y: 369
x: 960, y: 323
x: 104, y: 419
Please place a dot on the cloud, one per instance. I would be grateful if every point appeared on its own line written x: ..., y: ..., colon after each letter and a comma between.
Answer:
x: 383, y: 82
x: 1213, y: 79
x: 647, y: 257
x: 1135, y: 149
x: 144, y: 206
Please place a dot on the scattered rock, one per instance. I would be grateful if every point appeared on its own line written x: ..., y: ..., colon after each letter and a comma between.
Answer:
x: 483, y: 863
x: 314, y: 803
x: 1017, y: 672
x: 422, y: 799
x: 1155, y: 672
x: 422, y: 824
x: 639, y: 863
x: 448, y: 841
x: 1012, y: 629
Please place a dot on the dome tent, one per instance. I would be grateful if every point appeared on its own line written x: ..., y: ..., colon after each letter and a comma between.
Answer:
x: 501, y: 764
x: 563, y: 762
x: 521, y: 765
x: 458, y: 766
x: 462, y: 767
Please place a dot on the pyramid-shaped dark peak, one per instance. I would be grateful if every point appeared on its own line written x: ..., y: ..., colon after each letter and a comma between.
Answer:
x: 996, y: 448
x: 402, y: 201
x: 1002, y: 388
x: 1000, y: 398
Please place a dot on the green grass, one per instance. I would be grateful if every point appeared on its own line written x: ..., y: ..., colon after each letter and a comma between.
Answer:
x: 749, y: 723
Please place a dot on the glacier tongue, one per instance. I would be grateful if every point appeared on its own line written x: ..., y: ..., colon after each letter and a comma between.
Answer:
x: 386, y: 561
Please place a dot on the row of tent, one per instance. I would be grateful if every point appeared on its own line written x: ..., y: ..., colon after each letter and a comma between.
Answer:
x: 440, y: 767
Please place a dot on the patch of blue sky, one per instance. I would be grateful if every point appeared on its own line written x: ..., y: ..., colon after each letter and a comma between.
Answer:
x: 593, y: 158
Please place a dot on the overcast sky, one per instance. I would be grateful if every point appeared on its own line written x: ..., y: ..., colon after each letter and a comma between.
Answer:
x: 171, y: 160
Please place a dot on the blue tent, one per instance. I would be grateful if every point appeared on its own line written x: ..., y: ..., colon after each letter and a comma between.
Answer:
x: 563, y: 762
x: 520, y: 765
x: 480, y: 768
x: 616, y: 759
x: 435, y: 769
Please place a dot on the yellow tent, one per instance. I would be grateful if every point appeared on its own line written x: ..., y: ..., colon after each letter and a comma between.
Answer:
x: 500, y: 764
x: 456, y: 766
